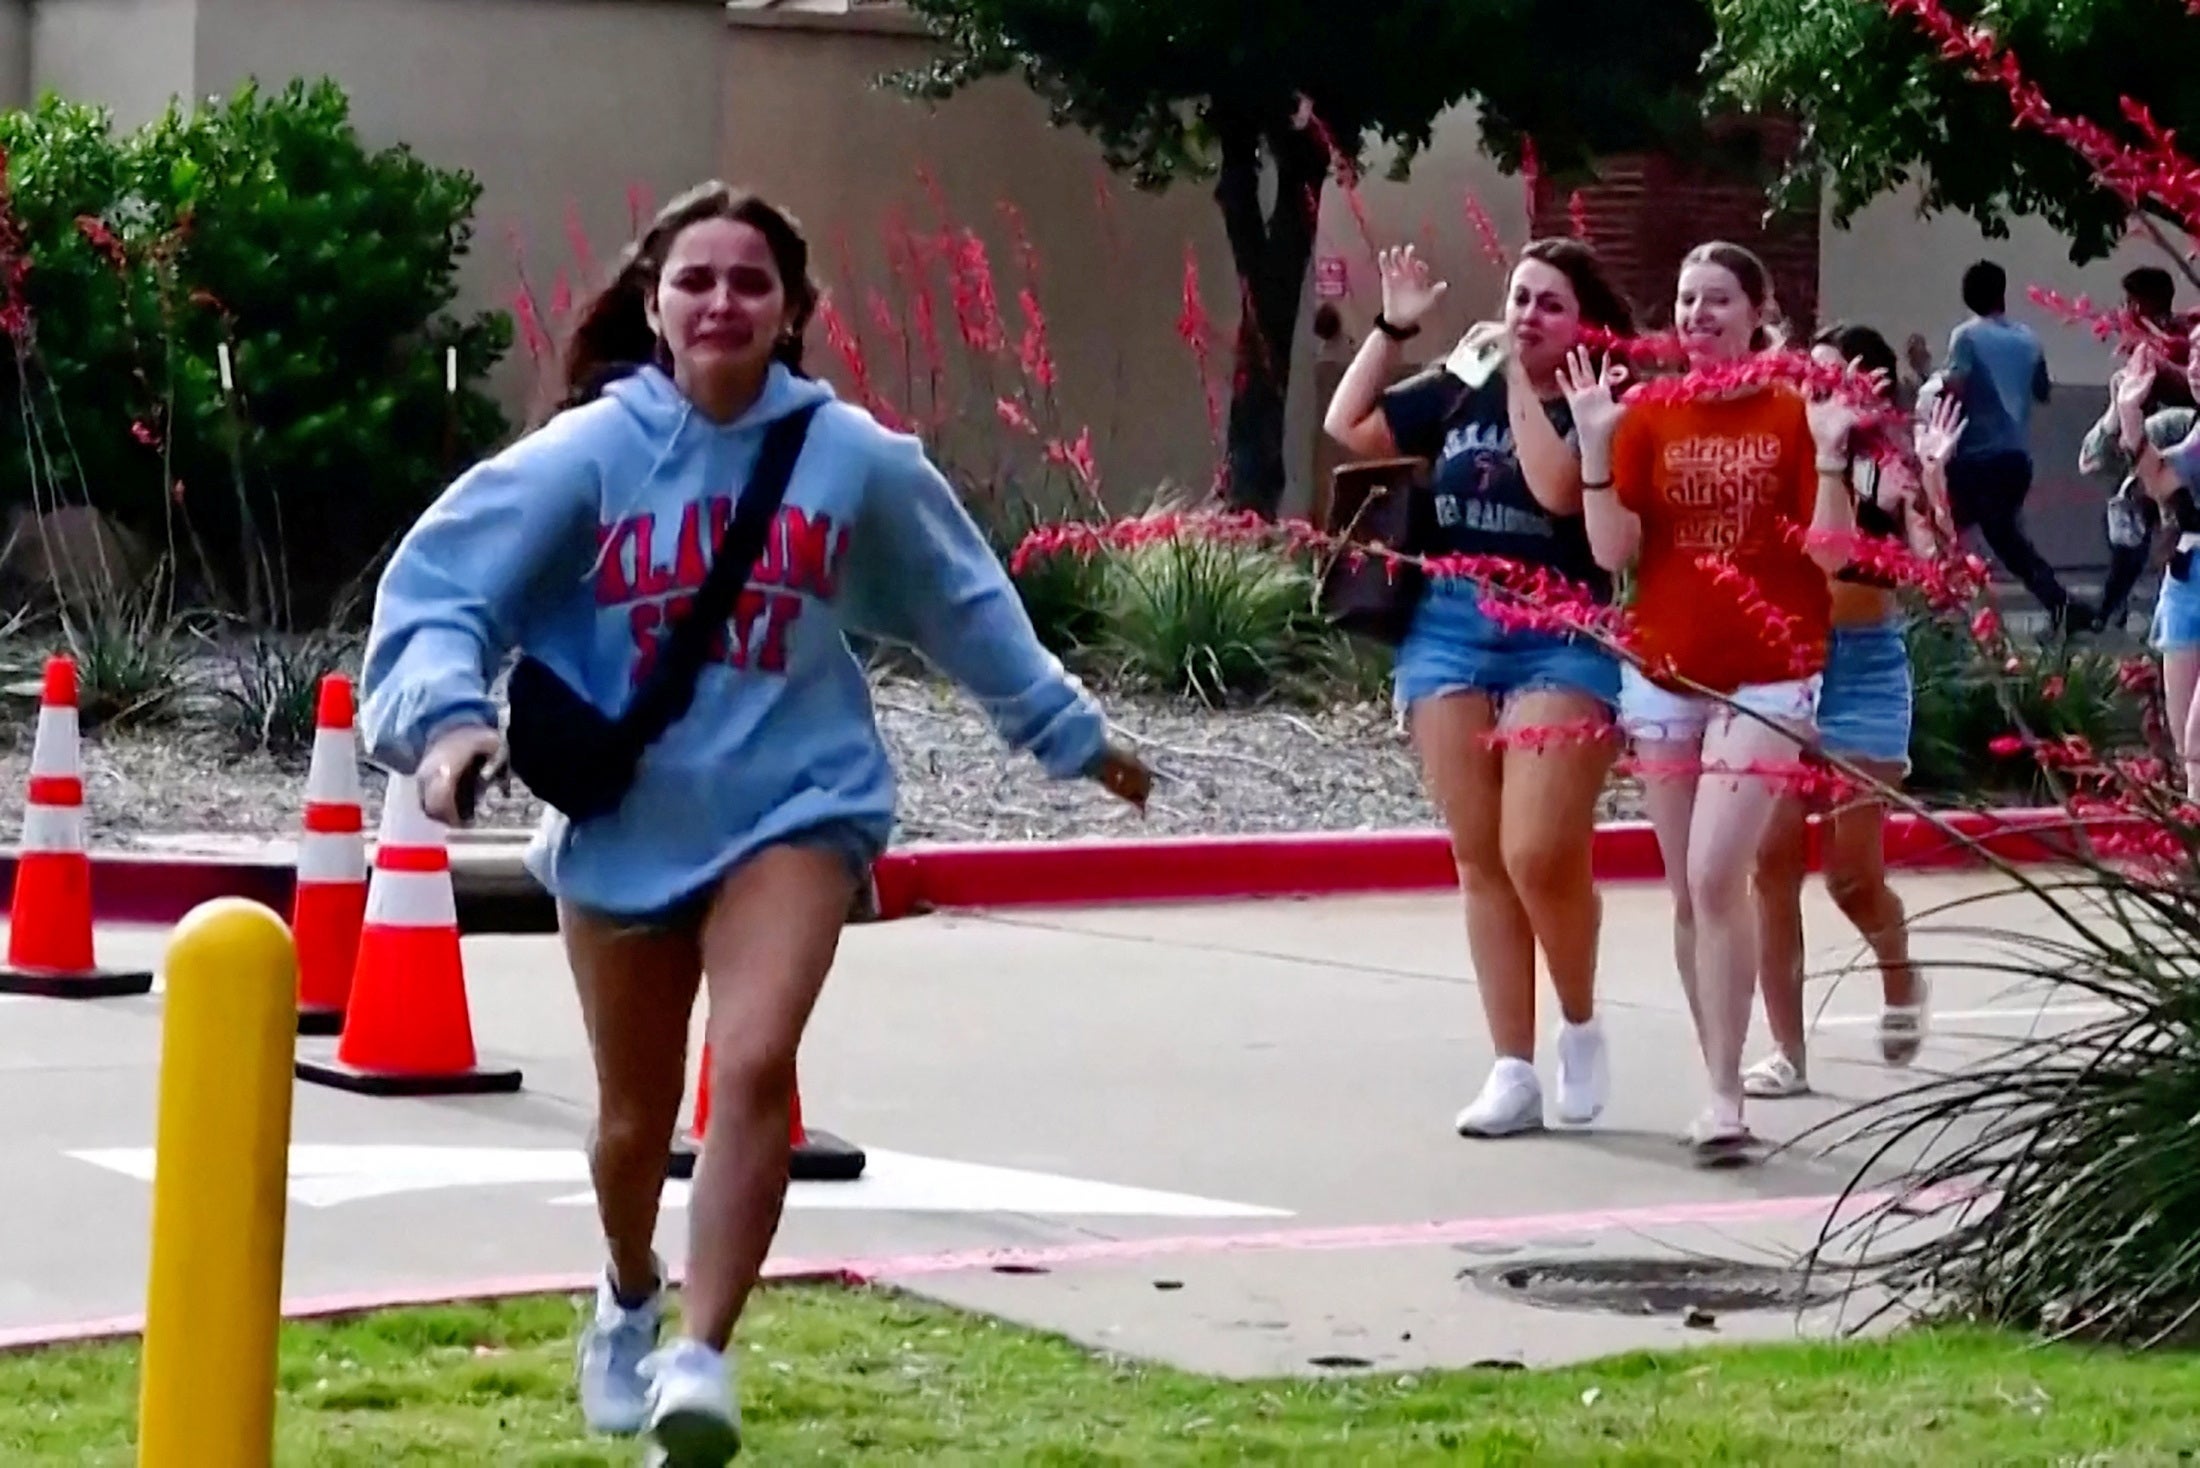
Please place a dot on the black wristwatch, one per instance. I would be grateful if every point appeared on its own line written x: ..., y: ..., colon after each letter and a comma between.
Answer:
x: 1395, y: 333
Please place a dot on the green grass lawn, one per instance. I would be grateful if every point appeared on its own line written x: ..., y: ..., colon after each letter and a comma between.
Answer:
x: 837, y: 1375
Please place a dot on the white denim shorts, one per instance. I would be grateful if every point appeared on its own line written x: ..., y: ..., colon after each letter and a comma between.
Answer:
x: 1659, y: 715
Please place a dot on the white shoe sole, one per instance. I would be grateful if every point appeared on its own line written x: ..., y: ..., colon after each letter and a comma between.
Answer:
x: 1483, y: 1131
x: 694, y: 1437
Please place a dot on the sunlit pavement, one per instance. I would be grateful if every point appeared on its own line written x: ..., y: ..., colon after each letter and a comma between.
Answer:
x: 1218, y: 1135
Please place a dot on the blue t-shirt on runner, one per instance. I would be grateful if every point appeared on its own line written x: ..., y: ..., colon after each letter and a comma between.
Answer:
x: 1482, y: 503
x: 2003, y: 373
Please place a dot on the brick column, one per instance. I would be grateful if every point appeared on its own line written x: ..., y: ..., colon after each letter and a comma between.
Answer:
x: 1646, y: 211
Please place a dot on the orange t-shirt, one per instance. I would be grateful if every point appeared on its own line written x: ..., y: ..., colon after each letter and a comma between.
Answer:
x: 1719, y: 484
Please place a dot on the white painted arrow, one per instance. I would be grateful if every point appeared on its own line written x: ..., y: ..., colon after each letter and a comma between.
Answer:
x: 896, y: 1182
x: 323, y: 1176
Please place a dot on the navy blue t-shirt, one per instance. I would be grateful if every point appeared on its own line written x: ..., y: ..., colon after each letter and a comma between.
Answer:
x: 1483, y: 506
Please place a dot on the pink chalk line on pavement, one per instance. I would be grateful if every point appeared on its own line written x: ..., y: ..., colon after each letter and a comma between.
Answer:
x: 889, y: 1269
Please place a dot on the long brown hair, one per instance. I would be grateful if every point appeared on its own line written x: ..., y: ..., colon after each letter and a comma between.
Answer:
x: 1602, y: 303
x: 612, y: 336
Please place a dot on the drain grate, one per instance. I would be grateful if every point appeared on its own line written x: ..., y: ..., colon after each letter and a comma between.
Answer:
x: 1651, y: 1286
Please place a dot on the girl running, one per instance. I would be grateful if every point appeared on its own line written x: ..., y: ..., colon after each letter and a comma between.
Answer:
x: 1864, y: 710
x: 1732, y: 507
x: 1507, y: 484
x: 736, y: 854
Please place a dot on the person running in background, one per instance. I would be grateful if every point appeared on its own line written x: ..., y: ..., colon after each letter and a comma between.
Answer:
x: 1522, y: 817
x: 1729, y: 505
x: 735, y: 855
x: 1998, y: 372
x: 1864, y: 713
x: 2133, y: 519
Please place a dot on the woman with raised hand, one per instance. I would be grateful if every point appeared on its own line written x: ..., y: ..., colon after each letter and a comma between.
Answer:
x: 1512, y: 723
x: 2171, y: 478
x: 734, y: 855
x: 1728, y: 495
x: 1864, y: 715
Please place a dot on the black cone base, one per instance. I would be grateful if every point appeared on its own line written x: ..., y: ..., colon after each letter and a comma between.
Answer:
x: 98, y: 983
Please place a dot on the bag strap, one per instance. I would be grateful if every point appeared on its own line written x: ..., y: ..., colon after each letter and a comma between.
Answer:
x: 667, y: 692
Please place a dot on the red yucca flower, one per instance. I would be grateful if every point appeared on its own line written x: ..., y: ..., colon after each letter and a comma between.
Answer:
x: 1486, y: 233
x: 1577, y: 215
x: 1197, y: 331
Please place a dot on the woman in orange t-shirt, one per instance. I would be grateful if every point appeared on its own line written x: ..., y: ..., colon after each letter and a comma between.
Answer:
x: 1732, y: 507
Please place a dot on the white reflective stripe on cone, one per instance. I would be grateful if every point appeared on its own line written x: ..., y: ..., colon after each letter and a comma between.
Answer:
x: 324, y: 857
x: 412, y: 900
x: 53, y: 828
x: 333, y: 777
x: 404, y: 822
x: 54, y: 751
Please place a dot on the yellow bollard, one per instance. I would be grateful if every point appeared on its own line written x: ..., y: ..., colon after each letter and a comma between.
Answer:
x: 206, y: 1394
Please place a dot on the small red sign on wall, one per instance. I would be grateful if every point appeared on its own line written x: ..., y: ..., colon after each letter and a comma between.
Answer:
x: 1332, y: 282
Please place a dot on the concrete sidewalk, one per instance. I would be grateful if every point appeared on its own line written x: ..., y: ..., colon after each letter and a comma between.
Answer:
x: 1214, y: 1135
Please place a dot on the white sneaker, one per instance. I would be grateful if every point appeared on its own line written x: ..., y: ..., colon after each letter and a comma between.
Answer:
x: 694, y: 1421
x: 1584, y: 1072
x: 1511, y: 1102
x: 617, y: 1340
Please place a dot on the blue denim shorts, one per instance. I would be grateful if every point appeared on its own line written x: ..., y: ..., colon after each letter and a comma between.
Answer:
x: 1866, y: 702
x: 1453, y: 647
x: 2176, y: 615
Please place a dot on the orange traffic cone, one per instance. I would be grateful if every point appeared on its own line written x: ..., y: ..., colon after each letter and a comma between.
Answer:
x: 407, y: 1031
x: 819, y: 1157
x: 50, y: 911
x: 331, y: 900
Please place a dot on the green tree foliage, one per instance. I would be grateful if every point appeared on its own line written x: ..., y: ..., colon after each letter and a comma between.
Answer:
x: 260, y: 225
x: 1882, y: 108
x: 1212, y: 90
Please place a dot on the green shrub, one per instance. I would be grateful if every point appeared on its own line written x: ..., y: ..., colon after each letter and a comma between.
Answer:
x: 271, y: 699
x: 1209, y: 617
x: 264, y: 225
x: 1968, y: 698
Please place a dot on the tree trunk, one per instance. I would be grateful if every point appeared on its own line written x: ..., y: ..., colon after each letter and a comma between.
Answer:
x: 1272, y: 251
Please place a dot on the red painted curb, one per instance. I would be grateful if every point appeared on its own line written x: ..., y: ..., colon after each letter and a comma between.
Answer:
x: 1195, y: 869
x: 136, y: 888
x: 133, y: 888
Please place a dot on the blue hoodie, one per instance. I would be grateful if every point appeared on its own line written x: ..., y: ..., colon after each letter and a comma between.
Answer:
x: 572, y: 542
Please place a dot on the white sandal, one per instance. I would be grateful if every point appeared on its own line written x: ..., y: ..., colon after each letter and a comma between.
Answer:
x: 1902, y: 1027
x: 1775, y: 1078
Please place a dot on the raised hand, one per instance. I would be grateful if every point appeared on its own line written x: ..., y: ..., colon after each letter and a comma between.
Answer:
x: 1591, y: 393
x: 1410, y: 289
x: 2134, y: 381
x: 1939, y: 434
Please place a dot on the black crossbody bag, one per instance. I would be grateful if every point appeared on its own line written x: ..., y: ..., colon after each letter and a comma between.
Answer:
x: 579, y: 760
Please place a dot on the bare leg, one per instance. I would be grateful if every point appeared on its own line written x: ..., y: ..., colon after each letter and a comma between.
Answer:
x: 1781, y: 866
x: 1462, y: 773
x: 1856, y: 880
x: 767, y: 948
x: 1548, y: 834
x: 637, y: 991
x: 2180, y: 679
x: 1733, y: 811
x: 1669, y: 798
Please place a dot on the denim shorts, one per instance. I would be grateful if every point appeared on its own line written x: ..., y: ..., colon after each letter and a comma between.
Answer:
x: 1454, y: 647
x: 2176, y: 615
x: 1865, y: 705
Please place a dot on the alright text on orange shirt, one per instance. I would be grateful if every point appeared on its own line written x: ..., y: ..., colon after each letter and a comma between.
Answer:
x: 1725, y: 489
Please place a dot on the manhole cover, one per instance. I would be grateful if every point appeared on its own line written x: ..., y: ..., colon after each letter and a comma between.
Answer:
x: 1650, y: 1286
